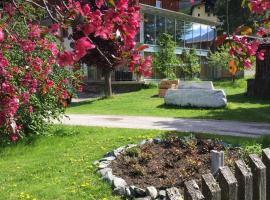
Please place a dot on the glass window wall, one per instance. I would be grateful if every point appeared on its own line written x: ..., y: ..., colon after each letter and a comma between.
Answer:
x: 180, y: 33
x: 196, y: 36
x: 170, y: 27
x: 149, y: 29
x: 186, y: 34
x: 160, y: 27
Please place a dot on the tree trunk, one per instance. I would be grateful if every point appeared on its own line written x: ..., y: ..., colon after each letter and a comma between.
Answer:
x: 108, y: 83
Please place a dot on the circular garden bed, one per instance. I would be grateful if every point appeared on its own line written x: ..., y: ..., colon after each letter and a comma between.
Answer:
x: 156, y: 169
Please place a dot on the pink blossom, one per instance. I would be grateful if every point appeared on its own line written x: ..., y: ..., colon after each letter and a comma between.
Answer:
x: 99, y: 3
x: 65, y: 59
x: 30, y: 109
x: 28, y: 46
x: 260, y: 54
x: 49, y: 83
x: 14, y: 137
x: 247, y: 64
x: 25, y: 97
x: 81, y: 47
x: 1, y: 35
x: 34, y: 31
x: 53, y: 48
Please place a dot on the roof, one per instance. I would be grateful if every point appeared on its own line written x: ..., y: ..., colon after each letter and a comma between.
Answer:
x: 177, y: 15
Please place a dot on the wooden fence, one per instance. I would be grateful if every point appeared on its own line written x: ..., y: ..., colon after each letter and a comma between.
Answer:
x: 249, y: 181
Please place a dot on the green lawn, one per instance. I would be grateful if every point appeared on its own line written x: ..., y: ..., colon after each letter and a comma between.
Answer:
x: 59, y: 166
x: 146, y: 103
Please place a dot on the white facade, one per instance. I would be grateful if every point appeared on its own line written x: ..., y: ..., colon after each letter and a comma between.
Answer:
x: 200, y: 12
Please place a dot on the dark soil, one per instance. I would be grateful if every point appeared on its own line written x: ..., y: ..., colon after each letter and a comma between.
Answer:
x: 169, y: 163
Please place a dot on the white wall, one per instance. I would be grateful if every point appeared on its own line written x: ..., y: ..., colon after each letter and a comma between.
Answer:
x: 199, y: 11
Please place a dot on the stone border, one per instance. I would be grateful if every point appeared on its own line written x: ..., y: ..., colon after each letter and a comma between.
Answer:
x: 120, y: 186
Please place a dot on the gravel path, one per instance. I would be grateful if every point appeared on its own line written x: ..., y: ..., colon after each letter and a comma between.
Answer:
x: 178, y: 124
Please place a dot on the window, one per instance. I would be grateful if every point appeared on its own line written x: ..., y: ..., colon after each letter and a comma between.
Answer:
x: 180, y: 33
x: 170, y: 26
x: 149, y: 29
x: 209, y: 14
x: 188, y: 34
x: 196, y: 30
x: 199, y: 14
x: 158, y: 4
x: 160, y: 26
x: 204, y: 37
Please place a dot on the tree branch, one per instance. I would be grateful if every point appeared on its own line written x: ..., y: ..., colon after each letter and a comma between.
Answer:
x: 49, y: 12
x: 101, y: 53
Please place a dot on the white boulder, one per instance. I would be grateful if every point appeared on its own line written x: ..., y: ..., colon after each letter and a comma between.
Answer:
x: 196, y: 94
x: 206, y: 85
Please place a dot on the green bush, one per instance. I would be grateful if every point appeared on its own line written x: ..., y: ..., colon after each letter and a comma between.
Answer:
x: 165, y: 60
x: 190, y: 66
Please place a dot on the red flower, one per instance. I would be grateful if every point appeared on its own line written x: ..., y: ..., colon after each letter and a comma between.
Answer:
x: 65, y: 59
x: 14, y: 137
x: 81, y: 47
x: 99, y: 3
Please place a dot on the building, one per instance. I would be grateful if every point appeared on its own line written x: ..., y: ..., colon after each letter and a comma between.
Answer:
x: 163, y: 16
x: 201, y: 10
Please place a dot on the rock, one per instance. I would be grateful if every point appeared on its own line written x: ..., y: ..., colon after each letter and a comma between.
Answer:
x: 119, y: 185
x: 96, y: 162
x: 104, y: 171
x: 157, y: 140
x: 162, y: 195
x: 203, y: 85
x: 116, y: 152
x: 152, y: 192
x: 196, y: 98
x: 109, y: 177
x: 144, y: 198
x: 137, y: 192
x: 119, y: 191
x: 103, y: 164
x: 129, y: 146
x: 119, y: 182
x: 142, y: 142
x: 109, y: 158
x: 173, y: 194
x: 128, y: 192
x: 150, y: 141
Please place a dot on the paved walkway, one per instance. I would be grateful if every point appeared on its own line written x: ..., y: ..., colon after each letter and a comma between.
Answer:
x: 162, y: 123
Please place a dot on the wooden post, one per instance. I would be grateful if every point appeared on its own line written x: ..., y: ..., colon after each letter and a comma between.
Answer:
x: 266, y: 161
x: 210, y: 188
x: 259, y: 177
x: 228, y: 184
x: 245, y: 180
x: 192, y: 191
x: 217, y: 160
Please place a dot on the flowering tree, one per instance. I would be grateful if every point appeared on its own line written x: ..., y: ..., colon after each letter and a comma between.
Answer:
x: 37, y: 74
x: 241, y: 48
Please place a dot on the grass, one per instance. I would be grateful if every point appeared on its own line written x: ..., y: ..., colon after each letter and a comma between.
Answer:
x: 59, y: 166
x: 146, y: 103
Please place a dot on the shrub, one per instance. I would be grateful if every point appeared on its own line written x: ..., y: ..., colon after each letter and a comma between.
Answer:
x: 165, y: 59
x: 133, y: 152
x: 34, y: 88
x: 190, y: 66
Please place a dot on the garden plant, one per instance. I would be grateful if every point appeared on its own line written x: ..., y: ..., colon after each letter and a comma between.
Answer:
x: 37, y: 74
